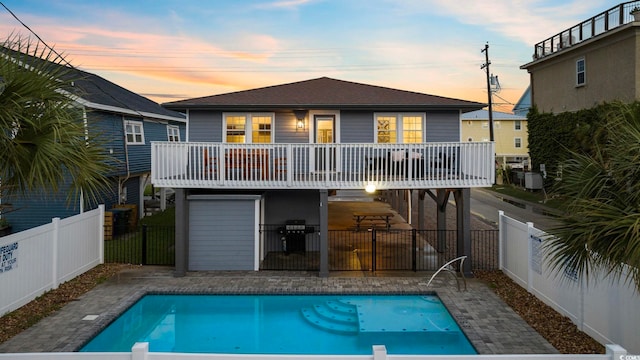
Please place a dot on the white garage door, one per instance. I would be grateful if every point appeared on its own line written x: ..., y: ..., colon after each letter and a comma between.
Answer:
x: 222, y: 234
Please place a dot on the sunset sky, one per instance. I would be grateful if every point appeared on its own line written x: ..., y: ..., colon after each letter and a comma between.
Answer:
x: 175, y: 49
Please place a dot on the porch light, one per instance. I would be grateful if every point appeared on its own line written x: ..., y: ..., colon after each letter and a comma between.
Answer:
x: 370, y: 188
x: 300, y: 115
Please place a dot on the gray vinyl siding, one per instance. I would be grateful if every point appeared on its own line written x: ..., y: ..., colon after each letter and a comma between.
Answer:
x: 356, y: 127
x: 205, y: 126
x: 281, y: 206
x: 443, y: 126
x: 221, y: 234
x: 286, y: 131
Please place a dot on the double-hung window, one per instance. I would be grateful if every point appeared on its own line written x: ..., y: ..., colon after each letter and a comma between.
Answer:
x: 399, y: 128
x: 517, y: 125
x: 517, y: 142
x: 134, y: 132
x: 248, y: 128
x: 581, y: 74
x: 173, y: 133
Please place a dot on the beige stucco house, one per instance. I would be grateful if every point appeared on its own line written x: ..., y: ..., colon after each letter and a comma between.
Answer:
x: 590, y: 63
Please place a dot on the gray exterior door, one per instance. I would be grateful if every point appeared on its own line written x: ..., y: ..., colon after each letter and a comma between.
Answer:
x: 222, y: 234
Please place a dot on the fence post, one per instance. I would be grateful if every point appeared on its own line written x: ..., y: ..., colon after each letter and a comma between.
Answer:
x: 529, y: 257
x: 373, y: 249
x: 101, y: 233
x: 414, y: 251
x: 55, y: 234
x: 144, y: 245
x: 500, y: 240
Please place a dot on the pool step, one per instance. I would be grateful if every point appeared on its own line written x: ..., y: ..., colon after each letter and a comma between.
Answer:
x: 334, y: 316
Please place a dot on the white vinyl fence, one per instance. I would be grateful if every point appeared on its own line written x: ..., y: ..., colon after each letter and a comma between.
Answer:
x: 607, y: 310
x: 140, y: 351
x: 39, y: 259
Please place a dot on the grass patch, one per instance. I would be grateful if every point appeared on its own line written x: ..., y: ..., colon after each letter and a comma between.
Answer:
x: 538, y: 197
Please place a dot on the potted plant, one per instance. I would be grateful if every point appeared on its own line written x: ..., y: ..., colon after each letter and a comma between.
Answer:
x: 5, y: 227
x: 635, y: 12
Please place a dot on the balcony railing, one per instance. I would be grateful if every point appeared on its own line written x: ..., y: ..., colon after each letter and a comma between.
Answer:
x: 315, y: 166
x: 594, y: 26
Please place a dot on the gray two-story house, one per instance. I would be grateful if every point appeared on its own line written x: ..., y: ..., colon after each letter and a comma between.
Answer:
x: 272, y: 156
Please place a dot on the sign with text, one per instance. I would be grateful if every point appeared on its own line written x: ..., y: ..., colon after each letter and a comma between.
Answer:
x: 8, y: 257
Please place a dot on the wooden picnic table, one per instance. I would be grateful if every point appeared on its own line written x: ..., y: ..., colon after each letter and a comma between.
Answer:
x: 373, y: 217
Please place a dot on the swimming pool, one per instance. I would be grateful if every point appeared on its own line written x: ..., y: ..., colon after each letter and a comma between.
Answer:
x: 285, y: 324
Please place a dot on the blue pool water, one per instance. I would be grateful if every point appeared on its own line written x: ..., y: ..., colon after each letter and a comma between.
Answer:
x: 285, y: 324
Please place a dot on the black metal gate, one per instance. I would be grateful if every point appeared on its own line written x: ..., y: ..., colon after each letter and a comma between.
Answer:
x: 144, y: 245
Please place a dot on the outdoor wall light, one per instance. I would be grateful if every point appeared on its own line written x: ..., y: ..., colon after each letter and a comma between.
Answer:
x: 300, y: 115
x: 370, y: 188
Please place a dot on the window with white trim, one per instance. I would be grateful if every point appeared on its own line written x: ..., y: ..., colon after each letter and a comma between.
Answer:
x: 517, y: 125
x: 581, y: 74
x: 248, y: 128
x: 134, y: 132
x: 517, y: 142
x: 399, y: 128
x: 173, y: 133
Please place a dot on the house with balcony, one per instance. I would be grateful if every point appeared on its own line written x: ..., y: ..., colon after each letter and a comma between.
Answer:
x: 590, y: 63
x: 124, y: 124
x: 273, y: 155
x: 509, y: 134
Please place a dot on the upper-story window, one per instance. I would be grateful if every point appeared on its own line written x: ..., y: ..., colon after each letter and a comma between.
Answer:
x: 399, y: 128
x: 134, y: 132
x: 248, y: 128
x: 517, y: 142
x: 517, y: 125
x: 581, y: 74
x: 173, y: 133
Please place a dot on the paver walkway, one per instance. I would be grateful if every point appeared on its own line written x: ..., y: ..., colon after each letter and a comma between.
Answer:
x: 491, y: 326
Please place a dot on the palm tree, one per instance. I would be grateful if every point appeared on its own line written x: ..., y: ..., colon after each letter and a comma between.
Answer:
x: 43, y: 138
x: 600, y: 231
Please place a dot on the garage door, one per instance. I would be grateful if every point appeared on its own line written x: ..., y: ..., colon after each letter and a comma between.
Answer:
x: 222, y: 234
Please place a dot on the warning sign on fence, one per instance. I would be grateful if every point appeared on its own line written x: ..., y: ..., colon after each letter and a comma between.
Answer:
x: 8, y: 257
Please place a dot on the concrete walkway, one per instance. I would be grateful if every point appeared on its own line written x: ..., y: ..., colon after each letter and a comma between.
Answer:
x: 491, y: 326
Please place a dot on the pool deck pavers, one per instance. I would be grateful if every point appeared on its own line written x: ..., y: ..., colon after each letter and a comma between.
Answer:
x: 491, y: 325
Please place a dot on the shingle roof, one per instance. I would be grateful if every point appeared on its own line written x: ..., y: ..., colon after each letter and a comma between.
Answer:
x: 325, y: 92
x: 99, y: 93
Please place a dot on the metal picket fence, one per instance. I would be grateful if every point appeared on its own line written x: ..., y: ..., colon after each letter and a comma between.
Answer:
x: 144, y: 245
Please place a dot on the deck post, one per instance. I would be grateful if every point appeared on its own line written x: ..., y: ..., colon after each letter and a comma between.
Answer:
x: 463, y: 220
x: 324, y: 233
x: 181, y: 233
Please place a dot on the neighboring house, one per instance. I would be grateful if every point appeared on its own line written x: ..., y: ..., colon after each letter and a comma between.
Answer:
x: 272, y: 155
x: 509, y: 134
x: 125, y: 124
x: 523, y: 105
x: 590, y: 63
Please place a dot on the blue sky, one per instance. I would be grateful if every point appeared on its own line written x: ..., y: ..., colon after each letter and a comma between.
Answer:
x: 169, y: 50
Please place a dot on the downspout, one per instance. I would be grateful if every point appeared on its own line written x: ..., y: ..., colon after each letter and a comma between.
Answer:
x: 126, y: 160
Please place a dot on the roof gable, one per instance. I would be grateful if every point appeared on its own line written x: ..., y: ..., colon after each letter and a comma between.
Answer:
x: 325, y: 93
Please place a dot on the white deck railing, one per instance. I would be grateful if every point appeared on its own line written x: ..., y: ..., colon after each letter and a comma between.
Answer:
x: 314, y: 166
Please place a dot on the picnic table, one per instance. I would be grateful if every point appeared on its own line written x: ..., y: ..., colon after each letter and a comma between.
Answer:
x: 372, y: 217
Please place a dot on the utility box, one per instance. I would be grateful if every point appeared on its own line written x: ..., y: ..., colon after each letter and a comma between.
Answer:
x: 532, y: 181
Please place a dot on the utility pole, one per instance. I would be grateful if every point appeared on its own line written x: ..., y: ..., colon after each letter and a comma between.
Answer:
x: 486, y: 66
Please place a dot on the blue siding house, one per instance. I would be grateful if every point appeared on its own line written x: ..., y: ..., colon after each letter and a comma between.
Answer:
x: 125, y: 124
x: 271, y: 156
